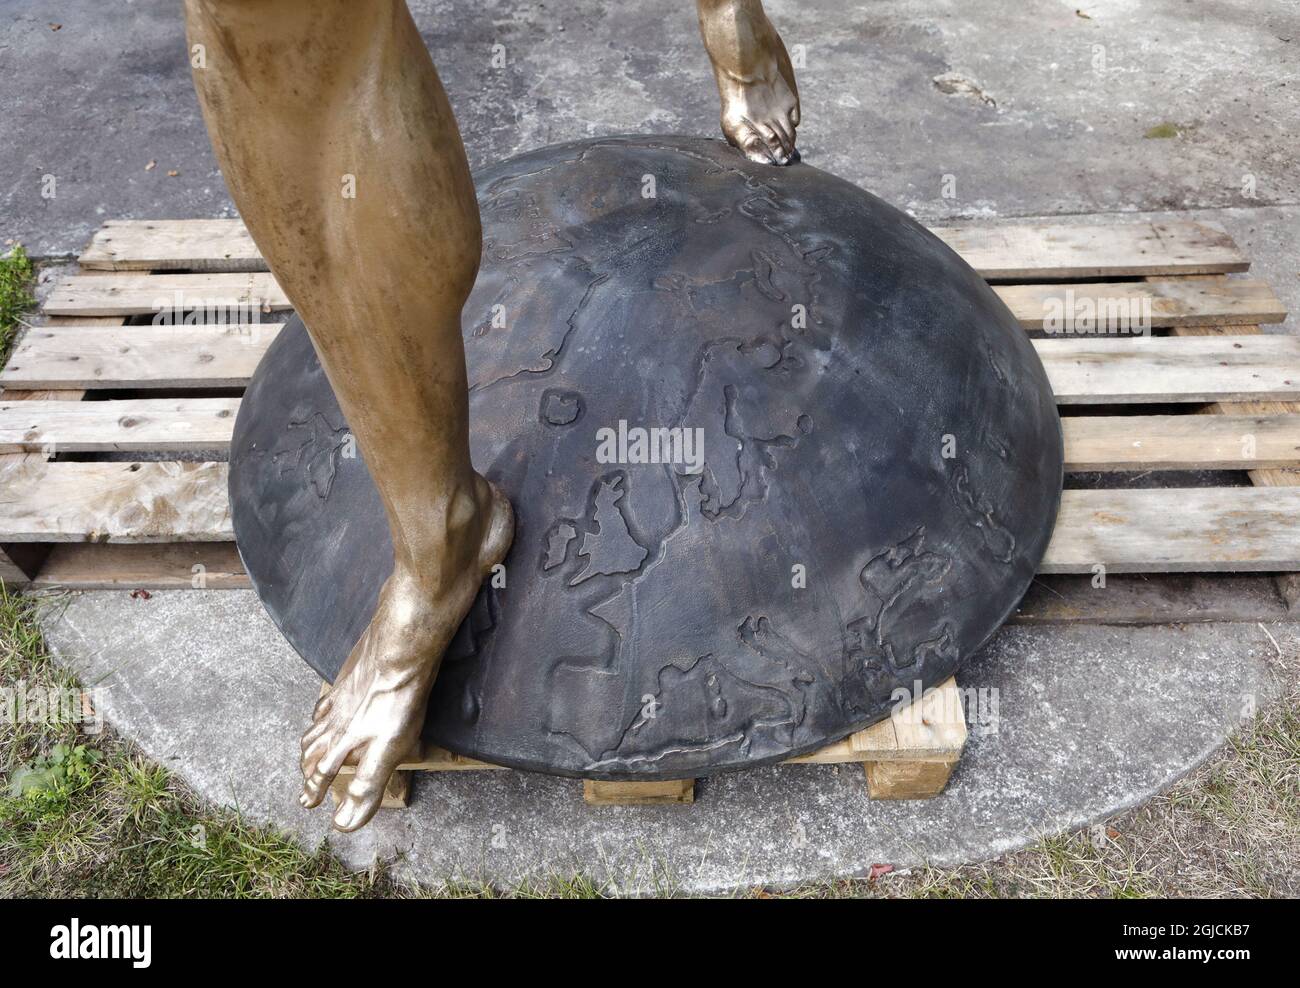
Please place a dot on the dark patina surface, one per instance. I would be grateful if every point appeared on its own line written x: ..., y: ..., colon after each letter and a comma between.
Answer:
x: 872, y: 419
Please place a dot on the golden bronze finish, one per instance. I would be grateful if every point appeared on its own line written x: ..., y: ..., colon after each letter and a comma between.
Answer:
x: 760, y: 101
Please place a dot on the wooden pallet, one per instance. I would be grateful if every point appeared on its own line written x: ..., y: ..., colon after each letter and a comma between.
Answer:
x: 94, y: 379
x: 909, y: 756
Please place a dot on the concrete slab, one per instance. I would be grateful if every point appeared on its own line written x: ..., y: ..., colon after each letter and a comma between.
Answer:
x: 1075, y: 724
x: 1034, y: 107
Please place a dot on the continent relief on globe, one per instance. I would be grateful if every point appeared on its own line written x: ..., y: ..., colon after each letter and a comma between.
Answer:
x: 776, y: 454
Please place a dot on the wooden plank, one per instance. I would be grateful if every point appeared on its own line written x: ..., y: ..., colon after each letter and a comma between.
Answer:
x: 1153, y: 369
x: 1204, y: 529
x: 1092, y: 443
x: 1049, y: 249
x: 1166, y: 303
x: 1141, y: 305
x: 165, y: 566
x: 1182, y: 530
x: 209, y: 356
x: 936, y: 728
x: 638, y: 793
x: 1127, y: 599
x: 1072, y: 250
x: 171, y: 245
x: 1143, y: 599
x: 114, y: 502
x: 933, y: 726
x: 1180, y: 442
x: 159, y: 424
x: 435, y: 759
x: 49, y: 320
x: 1106, y: 370
x: 151, y: 294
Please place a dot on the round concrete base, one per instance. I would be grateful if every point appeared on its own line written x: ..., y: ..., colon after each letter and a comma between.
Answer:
x: 204, y: 683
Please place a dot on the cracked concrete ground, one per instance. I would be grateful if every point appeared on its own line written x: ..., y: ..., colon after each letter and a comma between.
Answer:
x: 1038, y: 110
x: 1034, y: 109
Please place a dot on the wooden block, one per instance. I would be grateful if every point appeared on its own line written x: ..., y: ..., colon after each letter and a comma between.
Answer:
x: 1168, y: 530
x: 934, y: 728
x: 214, y: 356
x: 1168, y: 369
x: 1137, y: 305
x: 153, y: 425
x: 12, y: 575
x: 907, y: 780
x: 1048, y: 249
x: 638, y: 793
x: 397, y: 793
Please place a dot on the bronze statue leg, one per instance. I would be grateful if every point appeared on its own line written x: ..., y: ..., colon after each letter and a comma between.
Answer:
x: 340, y: 148
x: 760, y: 101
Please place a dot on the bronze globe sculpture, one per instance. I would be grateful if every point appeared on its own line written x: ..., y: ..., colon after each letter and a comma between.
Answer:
x: 775, y: 453
x: 739, y: 449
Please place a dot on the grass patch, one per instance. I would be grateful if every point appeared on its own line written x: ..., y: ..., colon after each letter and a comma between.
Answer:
x: 16, y: 276
x: 1163, y: 131
x: 86, y: 815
